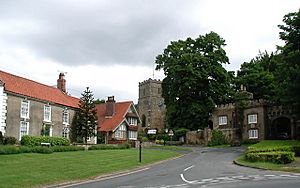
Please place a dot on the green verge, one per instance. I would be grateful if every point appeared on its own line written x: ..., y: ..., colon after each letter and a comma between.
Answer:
x: 32, y: 169
x: 275, y: 146
x: 267, y: 165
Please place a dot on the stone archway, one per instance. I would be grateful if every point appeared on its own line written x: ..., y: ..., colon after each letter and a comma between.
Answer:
x: 281, y: 128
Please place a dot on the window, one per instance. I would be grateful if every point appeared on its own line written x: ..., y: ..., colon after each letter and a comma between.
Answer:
x: 47, y: 113
x: 47, y: 130
x: 65, y: 117
x: 253, y: 133
x: 65, y: 132
x: 121, y: 132
x: 252, y: 118
x: 25, y: 109
x: 132, y: 121
x: 222, y: 120
x: 24, y: 128
x: 132, y: 135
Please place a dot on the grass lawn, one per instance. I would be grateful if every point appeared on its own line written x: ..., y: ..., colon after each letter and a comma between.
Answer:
x: 268, y: 166
x: 32, y: 169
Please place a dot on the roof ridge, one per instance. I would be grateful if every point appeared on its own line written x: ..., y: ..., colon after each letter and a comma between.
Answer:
x: 29, y: 80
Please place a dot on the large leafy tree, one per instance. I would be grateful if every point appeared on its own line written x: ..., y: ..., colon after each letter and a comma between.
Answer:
x: 288, y: 74
x: 85, y: 120
x: 258, y: 76
x: 195, y: 79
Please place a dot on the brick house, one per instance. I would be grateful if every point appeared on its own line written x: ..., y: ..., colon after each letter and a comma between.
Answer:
x: 117, y: 121
x: 31, y: 108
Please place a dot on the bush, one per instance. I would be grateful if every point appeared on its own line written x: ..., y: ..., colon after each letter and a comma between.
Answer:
x: 1, y: 138
x: 145, y: 139
x: 109, y: 146
x: 5, y: 150
x: 159, y: 141
x: 37, y: 140
x: 296, y: 149
x: 41, y: 149
x: 66, y: 148
x: 218, y: 138
x: 10, y: 140
x: 174, y: 143
x: 279, y: 157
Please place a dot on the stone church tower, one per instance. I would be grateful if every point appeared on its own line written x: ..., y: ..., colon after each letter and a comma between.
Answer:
x: 151, y: 105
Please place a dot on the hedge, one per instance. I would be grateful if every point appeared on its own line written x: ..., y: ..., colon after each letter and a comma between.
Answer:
x: 279, y: 157
x: 295, y: 149
x: 9, y: 149
x: 37, y: 140
x: 109, y: 146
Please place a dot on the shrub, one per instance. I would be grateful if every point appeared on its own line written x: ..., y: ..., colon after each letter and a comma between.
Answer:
x: 41, y: 149
x: 37, y: 140
x: 174, y: 143
x: 10, y: 140
x: 9, y: 150
x: 159, y: 141
x: 109, y: 146
x: 218, y: 138
x: 279, y: 157
x: 1, y: 138
x: 66, y: 148
x: 296, y: 149
x: 145, y: 139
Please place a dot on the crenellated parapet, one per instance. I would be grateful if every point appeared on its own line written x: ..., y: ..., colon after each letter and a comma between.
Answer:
x: 150, y: 80
x: 250, y: 104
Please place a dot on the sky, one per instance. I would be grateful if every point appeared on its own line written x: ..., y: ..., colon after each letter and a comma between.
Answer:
x: 111, y: 45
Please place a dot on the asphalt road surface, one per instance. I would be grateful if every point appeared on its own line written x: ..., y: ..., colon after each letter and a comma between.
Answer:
x: 204, y: 167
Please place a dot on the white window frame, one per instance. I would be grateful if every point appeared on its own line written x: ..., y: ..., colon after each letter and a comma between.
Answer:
x: 132, y: 135
x: 253, y: 133
x: 132, y: 121
x: 120, y: 132
x: 47, y: 113
x: 252, y: 118
x: 222, y: 120
x: 65, y: 132
x: 65, y: 117
x: 24, y: 111
x: 24, y: 125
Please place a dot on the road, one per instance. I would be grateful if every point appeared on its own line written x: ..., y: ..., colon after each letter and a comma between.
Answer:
x: 204, y: 167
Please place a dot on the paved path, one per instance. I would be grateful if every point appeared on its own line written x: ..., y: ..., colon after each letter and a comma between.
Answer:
x: 204, y: 167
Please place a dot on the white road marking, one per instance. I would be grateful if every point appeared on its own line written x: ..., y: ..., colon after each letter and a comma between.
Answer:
x: 187, y: 181
x: 188, y: 168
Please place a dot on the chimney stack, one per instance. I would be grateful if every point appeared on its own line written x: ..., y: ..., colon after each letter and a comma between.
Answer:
x: 110, y: 106
x: 61, y: 82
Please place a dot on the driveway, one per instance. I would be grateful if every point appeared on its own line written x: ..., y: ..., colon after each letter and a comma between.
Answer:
x: 204, y: 167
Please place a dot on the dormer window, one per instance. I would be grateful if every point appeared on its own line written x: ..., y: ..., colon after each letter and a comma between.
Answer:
x: 25, y: 109
x: 132, y: 121
x: 47, y: 113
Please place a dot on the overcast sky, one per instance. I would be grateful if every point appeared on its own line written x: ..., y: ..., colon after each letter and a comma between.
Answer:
x: 111, y: 45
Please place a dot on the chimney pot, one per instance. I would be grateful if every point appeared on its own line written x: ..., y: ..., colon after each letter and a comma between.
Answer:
x: 110, y: 106
x: 61, y: 82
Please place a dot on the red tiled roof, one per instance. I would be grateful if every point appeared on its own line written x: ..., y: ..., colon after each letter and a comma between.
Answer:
x: 106, y: 124
x: 29, y: 88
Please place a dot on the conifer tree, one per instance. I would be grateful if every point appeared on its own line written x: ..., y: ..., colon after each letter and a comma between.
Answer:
x: 85, y: 121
